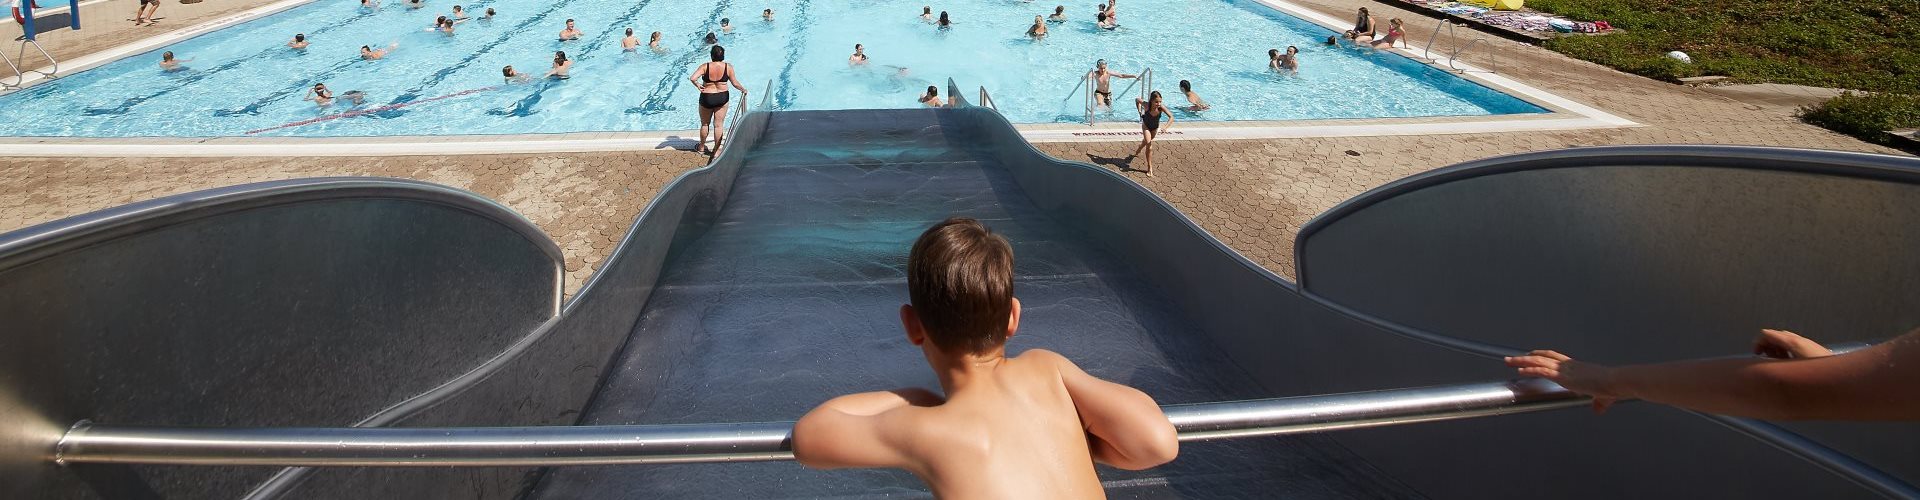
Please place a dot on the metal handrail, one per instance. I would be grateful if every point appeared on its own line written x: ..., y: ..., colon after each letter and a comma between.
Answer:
x: 1452, y: 36
x: 1491, y: 56
x: 987, y: 100
x: 738, y: 442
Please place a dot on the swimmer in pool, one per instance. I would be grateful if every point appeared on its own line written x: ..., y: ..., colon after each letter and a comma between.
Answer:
x: 489, y: 16
x: 1290, y: 61
x: 1102, y: 80
x: 459, y: 14
x: 415, y: 4
x: 1113, y: 11
x: 653, y: 43
x: 514, y: 76
x: 442, y: 25
x: 1059, y: 14
x: 320, y: 95
x: 571, y: 33
x: 1104, y: 21
x: 369, y: 5
x: 859, y: 56
x: 169, y: 64
x: 932, y: 98
x: 1039, y: 28
x: 1194, y: 102
x: 369, y: 54
x: 1333, y: 40
x: 630, y: 43
x: 560, y: 66
x: 726, y: 25
x: 712, y: 39
x: 945, y: 22
x: 299, y: 42
x: 767, y: 15
x: 926, y: 13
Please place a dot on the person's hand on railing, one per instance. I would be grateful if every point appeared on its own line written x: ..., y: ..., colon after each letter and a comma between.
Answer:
x: 1578, y: 376
x: 1797, y: 380
x: 1782, y: 344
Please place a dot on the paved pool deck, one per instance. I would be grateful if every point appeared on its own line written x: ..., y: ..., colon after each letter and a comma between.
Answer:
x: 1254, y: 194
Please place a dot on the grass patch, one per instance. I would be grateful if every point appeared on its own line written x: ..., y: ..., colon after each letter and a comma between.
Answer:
x: 1866, y: 116
x: 1871, y: 45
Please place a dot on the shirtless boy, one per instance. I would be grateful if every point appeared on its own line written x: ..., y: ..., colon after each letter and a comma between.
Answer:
x: 1029, y: 426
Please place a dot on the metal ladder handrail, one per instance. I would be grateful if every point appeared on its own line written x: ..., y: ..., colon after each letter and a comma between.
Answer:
x: 87, y: 442
x: 1455, y: 50
x: 987, y: 100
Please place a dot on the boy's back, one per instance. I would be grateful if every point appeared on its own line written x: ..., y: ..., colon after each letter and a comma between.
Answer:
x: 1024, y: 427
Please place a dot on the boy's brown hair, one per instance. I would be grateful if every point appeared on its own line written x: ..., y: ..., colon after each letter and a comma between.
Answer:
x: 960, y: 279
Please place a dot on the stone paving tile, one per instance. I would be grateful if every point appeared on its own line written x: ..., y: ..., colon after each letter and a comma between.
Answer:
x: 1253, y: 194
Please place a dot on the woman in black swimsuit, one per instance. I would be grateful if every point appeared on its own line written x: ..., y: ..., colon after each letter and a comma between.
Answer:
x: 1151, y: 112
x: 713, y: 78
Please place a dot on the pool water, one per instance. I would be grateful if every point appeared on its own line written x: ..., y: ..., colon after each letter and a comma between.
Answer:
x: 242, y: 80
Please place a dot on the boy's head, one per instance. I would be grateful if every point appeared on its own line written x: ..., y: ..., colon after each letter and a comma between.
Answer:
x: 960, y: 280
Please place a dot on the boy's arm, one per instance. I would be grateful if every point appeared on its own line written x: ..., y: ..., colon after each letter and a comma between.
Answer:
x: 1125, y: 428
x: 857, y: 430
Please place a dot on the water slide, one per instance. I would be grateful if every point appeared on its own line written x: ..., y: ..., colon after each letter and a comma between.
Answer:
x: 197, y: 345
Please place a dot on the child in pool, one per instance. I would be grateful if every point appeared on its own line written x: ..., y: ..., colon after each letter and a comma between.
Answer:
x: 1029, y: 426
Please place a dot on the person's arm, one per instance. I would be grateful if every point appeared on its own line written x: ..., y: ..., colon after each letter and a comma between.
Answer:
x: 1875, y: 383
x: 695, y: 77
x: 1125, y: 428
x: 857, y: 430
x: 1168, y: 114
x: 735, y: 79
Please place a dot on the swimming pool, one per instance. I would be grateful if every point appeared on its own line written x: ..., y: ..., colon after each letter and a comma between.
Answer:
x: 243, y: 80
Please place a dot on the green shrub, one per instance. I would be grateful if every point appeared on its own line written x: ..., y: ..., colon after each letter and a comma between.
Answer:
x: 1867, y: 117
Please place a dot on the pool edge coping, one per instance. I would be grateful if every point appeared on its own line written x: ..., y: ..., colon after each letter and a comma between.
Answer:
x: 1582, y: 117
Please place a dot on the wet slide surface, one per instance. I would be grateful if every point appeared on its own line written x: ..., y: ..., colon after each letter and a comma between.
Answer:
x: 790, y: 297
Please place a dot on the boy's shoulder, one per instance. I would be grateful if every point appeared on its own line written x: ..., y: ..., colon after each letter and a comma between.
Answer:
x: 1042, y: 358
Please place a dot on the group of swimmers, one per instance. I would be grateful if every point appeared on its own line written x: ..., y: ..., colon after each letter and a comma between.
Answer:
x: 1365, y: 33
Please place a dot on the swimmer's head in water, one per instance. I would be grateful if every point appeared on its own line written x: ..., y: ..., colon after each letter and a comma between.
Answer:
x: 1059, y: 9
x: 629, y: 31
x: 439, y: 21
x: 933, y: 91
x: 1333, y: 39
x: 712, y: 38
x: 569, y: 24
x: 1102, y: 17
x: 719, y: 53
x: 960, y: 282
x: 767, y: 12
x: 857, y: 48
x: 489, y: 11
x: 457, y: 9
x: 1292, y: 50
x: 724, y: 22
x: 943, y: 18
x: 167, y: 56
x: 364, y: 48
x: 655, y: 36
x: 1273, y: 53
x: 299, y: 37
x: 926, y: 11
x: 507, y: 71
x: 1186, y: 86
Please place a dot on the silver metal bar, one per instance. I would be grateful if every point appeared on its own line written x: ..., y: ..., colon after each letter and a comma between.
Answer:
x: 740, y: 442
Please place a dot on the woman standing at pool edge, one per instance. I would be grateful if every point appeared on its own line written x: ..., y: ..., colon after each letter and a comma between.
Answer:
x: 713, y: 78
x: 1151, y: 112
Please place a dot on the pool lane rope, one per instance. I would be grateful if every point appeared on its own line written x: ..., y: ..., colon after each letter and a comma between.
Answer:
x: 358, y: 112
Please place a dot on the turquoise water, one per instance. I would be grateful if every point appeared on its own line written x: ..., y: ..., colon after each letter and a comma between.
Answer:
x: 242, y: 80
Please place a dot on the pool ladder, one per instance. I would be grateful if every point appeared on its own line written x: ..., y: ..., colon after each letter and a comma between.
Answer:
x: 20, y: 75
x: 1454, y: 50
x: 1087, y: 80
